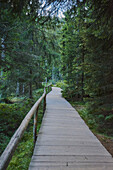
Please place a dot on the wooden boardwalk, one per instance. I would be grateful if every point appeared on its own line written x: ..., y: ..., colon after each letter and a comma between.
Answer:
x: 65, y: 142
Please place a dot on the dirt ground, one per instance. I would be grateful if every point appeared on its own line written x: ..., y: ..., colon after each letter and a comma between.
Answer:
x: 107, y: 142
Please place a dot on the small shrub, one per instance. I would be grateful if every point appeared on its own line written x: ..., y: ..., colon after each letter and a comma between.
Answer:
x: 61, y: 84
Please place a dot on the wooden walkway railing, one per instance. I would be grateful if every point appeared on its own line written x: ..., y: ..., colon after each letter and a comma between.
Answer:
x: 65, y: 142
x: 11, y: 147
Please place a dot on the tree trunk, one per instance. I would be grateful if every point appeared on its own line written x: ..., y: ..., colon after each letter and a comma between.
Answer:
x: 82, y: 75
x: 23, y: 90
x: 2, y: 56
x: 30, y: 85
x: 18, y: 89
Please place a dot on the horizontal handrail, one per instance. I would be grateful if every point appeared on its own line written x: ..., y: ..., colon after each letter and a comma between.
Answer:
x: 11, y: 147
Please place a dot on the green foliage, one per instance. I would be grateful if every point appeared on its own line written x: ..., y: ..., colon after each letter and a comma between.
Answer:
x: 72, y: 54
x: 38, y: 92
x: 96, y: 121
x: 86, y: 55
x: 11, y: 116
x: 77, y: 50
x: 89, y: 119
x: 28, y: 52
x: 109, y: 118
x: 23, y: 153
x: 66, y: 90
x: 22, y: 156
x: 62, y: 84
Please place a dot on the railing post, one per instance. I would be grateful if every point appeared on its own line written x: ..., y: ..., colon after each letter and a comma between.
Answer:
x: 44, y: 104
x: 35, y: 126
x: 50, y: 87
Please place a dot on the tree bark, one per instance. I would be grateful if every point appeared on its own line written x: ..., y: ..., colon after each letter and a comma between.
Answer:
x: 30, y: 85
x: 18, y: 89
x: 82, y: 75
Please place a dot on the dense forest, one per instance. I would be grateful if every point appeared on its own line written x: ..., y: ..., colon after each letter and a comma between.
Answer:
x: 68, y: 43
x: 86, y: 54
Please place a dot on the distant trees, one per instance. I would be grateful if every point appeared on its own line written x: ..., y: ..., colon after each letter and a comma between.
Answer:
x: 99, y: 84
x: 27, y: 51
x: 87, y: 54
x: 35, y: 46
x: 73, y: 52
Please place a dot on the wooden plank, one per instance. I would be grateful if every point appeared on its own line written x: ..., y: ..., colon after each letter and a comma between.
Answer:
x: 75, y: 158
x: 70, y: 150
x: 52, y: 124
x: 64, y: 133
x: 66, y: 138
x: 65, y: 142
x: 70, y: 164
x: 72, y: 168
x: 73, y: 130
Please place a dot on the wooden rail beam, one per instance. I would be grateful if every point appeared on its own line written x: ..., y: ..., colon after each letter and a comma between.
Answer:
x: 8, y: 152
x: 11, y: 147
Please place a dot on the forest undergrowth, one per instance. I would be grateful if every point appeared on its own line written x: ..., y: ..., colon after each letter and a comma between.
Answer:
x: 11, y: 116
x: 103, y: 136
